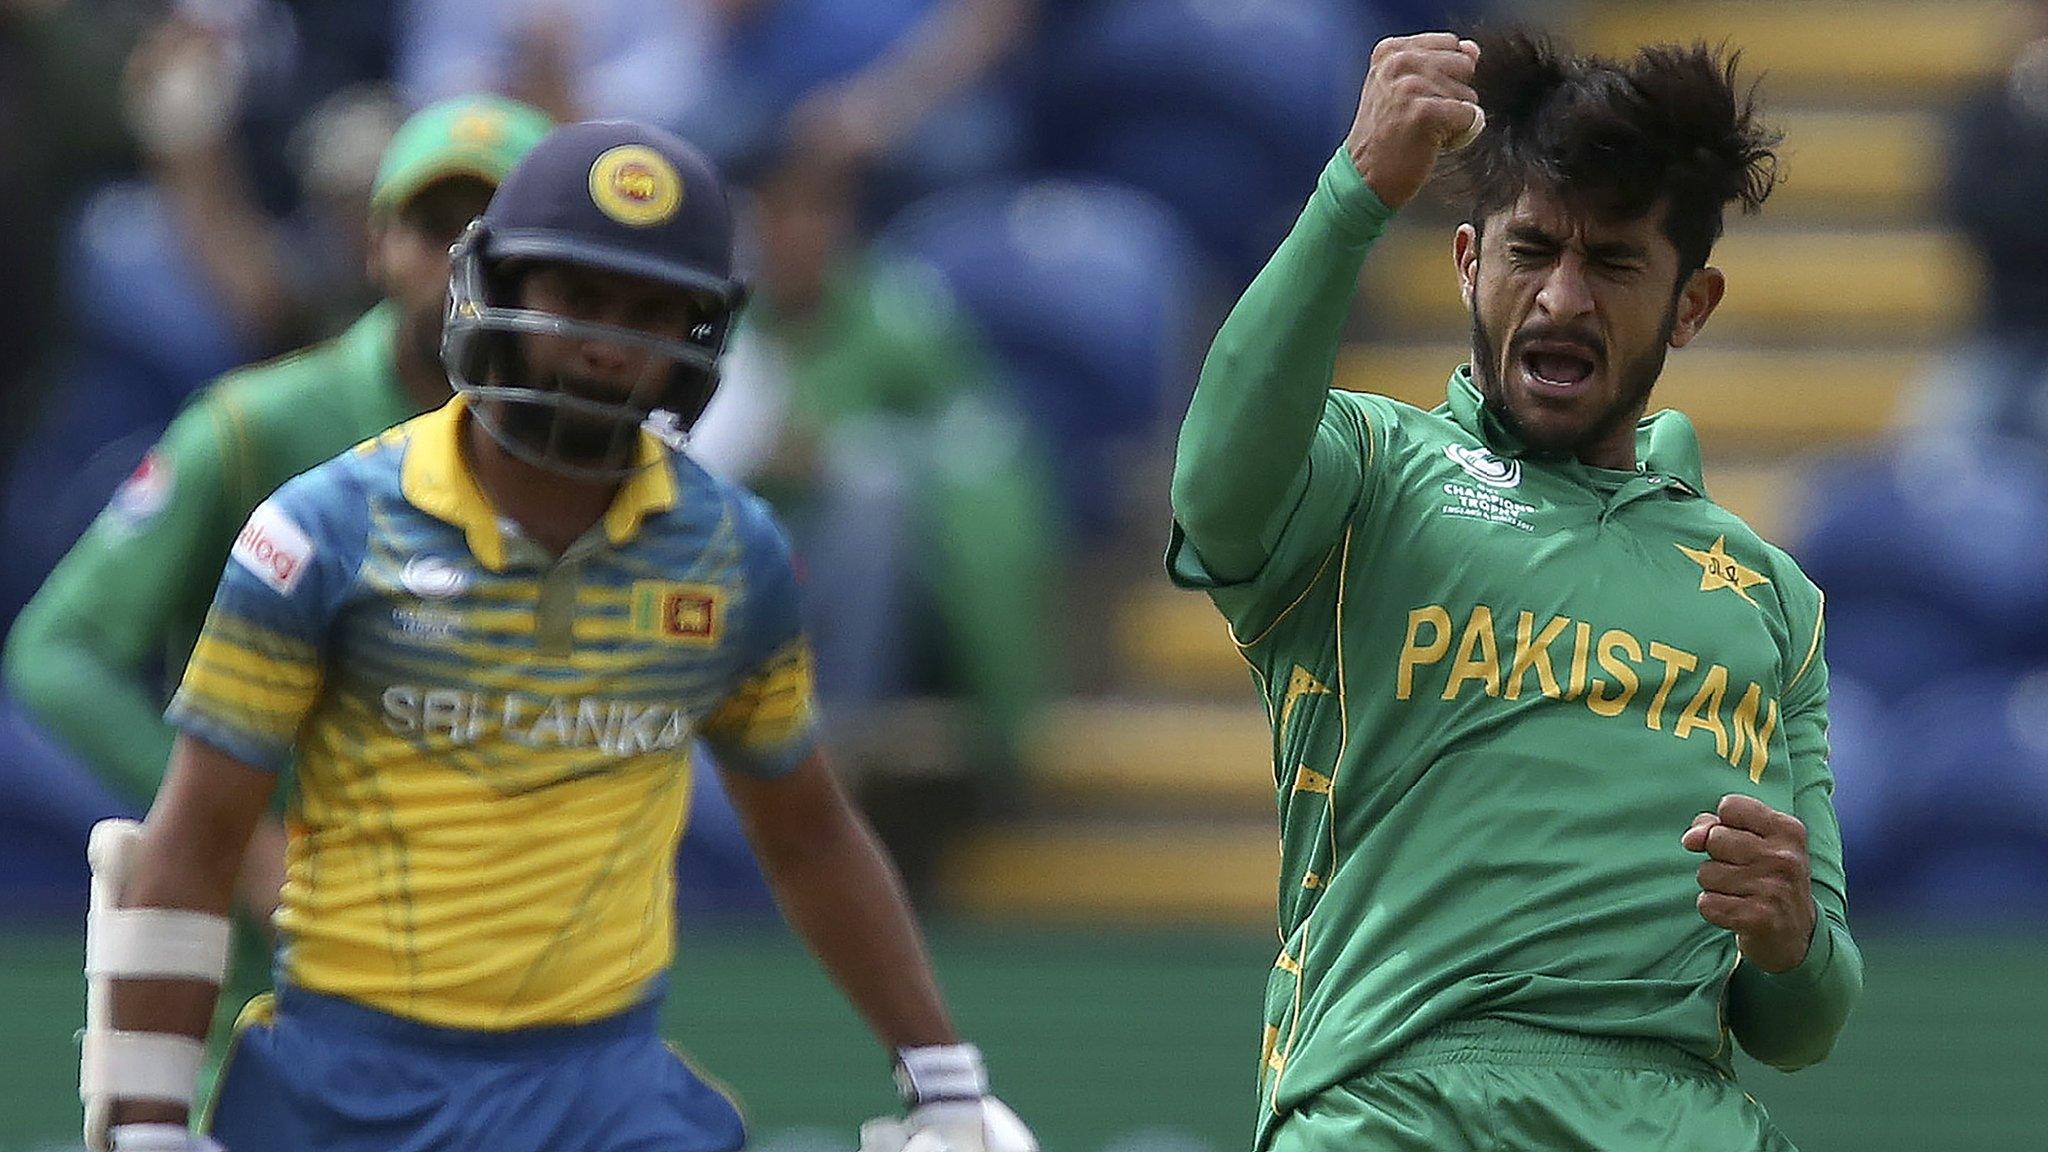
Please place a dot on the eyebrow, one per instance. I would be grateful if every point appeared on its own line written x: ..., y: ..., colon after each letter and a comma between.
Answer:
x: 1604, y: 250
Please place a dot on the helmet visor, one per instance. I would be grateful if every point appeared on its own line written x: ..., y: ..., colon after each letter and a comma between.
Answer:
x: 565, y: 394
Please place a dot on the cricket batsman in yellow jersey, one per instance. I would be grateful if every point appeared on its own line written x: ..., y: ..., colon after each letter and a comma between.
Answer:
x: 485, y: 641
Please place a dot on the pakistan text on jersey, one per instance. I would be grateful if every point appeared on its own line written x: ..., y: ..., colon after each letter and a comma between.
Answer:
x: 1476, y: 666
x: 615, y: 727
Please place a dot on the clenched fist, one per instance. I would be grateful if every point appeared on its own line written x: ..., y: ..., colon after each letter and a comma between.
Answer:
x: 1755, y: 881
x: 1417, y: 103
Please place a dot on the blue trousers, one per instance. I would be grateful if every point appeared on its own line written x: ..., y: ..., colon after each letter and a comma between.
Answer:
x: 313, y: 1073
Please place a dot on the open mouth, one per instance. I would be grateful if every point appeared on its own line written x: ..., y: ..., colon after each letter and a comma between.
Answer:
x: 1557, y: 366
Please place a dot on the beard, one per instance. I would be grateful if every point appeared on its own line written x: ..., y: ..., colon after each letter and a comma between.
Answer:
x: 1635, y: 377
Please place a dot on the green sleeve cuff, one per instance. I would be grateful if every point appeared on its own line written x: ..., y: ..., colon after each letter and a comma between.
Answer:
x: 1810, y: 974
x: 1820, y: 956
x: 1354, y: 209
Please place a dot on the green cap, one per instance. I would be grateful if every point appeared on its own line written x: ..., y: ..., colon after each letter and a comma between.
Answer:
x: 481, y: 136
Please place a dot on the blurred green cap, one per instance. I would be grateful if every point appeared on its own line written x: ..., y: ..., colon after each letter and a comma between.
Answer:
x: 481, y: 136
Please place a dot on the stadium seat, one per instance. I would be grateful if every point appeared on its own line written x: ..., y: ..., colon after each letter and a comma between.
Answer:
x: 1957, y: 522
x: 1970, y: 819
x: 56, y: 484
x: 135, y: 296
x: 1226, y: 111
x: 1900, y: 48
x: 48, y: 804
x: 1083, y: 288
x: 1863, y: 755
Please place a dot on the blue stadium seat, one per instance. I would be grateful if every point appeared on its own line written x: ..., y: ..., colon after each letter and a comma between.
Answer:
x: 1084, y: 289
x: 135, y: 295
x: 1862, y: 752
x: 1957, y: 522
x: 48, y: 803
x: 56, y: 484
x: 1970, y: 811
x: 1225, y: 109
x: 1896, y: 644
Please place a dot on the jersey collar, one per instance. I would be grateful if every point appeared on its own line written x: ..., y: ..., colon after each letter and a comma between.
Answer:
x: 1666, y: 444
x: 436, y: 480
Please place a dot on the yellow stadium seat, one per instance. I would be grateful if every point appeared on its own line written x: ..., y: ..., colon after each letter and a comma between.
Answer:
x: 1159, y: 756
x: 1886, y: 48
x: 1121, y: 874
x: 1860, y: 165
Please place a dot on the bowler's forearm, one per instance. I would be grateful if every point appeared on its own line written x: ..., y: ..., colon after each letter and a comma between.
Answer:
x: 1246, y: 438
x: 1791, y: 1019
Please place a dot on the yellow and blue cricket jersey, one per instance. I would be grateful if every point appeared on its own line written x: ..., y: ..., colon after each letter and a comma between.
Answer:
x: 491, y: 743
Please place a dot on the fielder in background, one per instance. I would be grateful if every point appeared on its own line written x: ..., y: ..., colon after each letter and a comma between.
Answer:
x: 1548, y: 723
x: 94, y: 654
x: 484, y: 641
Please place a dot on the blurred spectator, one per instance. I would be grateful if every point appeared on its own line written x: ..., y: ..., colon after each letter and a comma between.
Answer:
x: 862, y: 405
x: 575, y: 59
x: 1992, y: 193
x: 92, y: 656
x: 279, y: 282
x: 931, y: 108
x: 1223, y: 109
x: 1086, y: 290
x: 60, y: 135
x: 913, y: 89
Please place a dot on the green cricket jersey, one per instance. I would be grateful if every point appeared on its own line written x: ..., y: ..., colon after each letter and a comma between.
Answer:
x: 1501, y: 684
x: 130, y: 596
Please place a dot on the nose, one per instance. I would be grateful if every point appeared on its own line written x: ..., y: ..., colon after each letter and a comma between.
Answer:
x: 603, y: 360
x: 1566, y: 293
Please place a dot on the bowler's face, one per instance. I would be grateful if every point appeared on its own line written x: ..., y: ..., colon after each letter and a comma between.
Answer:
x: 1571, y: 318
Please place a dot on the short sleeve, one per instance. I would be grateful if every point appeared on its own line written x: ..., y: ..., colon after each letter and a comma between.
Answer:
x: 1334, y: 482
x: 256, y: 670
x: 766, y: 724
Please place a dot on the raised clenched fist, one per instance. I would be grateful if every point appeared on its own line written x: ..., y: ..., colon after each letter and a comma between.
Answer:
x: 1417, y: 103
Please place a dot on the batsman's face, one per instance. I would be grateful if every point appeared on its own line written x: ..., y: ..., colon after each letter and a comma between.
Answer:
x: 593, y: 368
x: 1571, y: 320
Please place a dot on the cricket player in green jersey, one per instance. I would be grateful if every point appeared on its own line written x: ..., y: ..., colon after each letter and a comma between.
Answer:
x: 1548, y: 723
x: 124, y: 607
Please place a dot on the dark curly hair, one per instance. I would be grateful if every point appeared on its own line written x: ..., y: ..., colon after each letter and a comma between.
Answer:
x: 1616, y: 137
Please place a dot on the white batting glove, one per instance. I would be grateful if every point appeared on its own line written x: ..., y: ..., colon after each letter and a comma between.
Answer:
x: 159, y: 1138
x: 945, y: 1089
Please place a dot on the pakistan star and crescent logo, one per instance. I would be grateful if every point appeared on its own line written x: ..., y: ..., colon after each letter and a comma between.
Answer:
x: 1720, y: 570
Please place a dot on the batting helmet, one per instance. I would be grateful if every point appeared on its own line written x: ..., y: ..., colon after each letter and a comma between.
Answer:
x: 610, y: 196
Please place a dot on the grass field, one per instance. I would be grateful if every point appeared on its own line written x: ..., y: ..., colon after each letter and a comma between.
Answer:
x: 1144, y: 1043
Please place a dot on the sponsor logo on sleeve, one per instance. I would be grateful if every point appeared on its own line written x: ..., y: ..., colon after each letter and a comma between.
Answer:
x: 146, y: 491
x: 273, y: 548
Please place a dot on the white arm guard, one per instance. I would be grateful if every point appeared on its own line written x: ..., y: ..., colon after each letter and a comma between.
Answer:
x: 137, y: 944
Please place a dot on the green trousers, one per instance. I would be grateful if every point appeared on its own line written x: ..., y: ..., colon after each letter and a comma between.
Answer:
x: 1492, y: 1086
